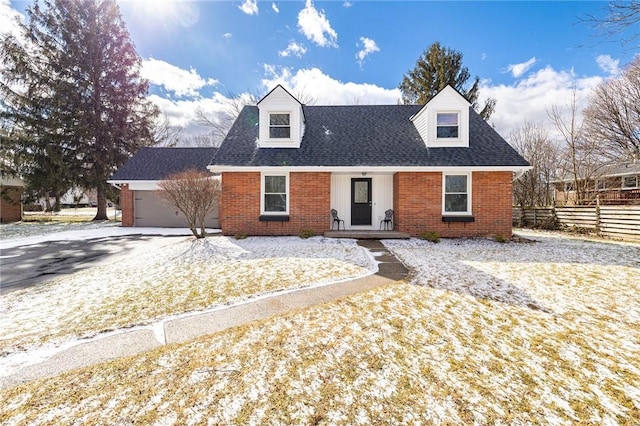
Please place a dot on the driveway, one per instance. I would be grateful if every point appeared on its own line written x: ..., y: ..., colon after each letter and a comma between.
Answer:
x: 29, y: 264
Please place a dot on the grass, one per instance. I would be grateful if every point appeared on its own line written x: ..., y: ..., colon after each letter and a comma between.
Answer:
x: 178, y: 282
x: 401, y: 354
x: 419, y: 353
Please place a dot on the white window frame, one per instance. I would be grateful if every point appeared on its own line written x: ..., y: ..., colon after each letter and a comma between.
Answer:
x: 601, y: 184
x: 262, y: 194
x: 468, y: 212
x: 458, y: 115
x: 270, y: 126
x: 622, y: 183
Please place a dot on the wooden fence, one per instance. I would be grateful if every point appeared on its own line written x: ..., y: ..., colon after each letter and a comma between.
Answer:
x: 620, y: 222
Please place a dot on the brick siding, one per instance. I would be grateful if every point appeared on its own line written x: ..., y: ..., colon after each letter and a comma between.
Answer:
x: 417, y: 199
x: 11, y: 204
x: 309, y: 204
x: 126, y: 204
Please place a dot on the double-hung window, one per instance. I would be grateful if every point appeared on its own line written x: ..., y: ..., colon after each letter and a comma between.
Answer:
x: 275, y: 189
x: 280, y: 125
x: 457, y: 194
x: 629, y: 182
x: 447, y: 125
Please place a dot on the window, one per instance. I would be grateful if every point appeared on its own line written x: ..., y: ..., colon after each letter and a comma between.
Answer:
x: 629, y: 182
x: 447, y: 125
x: 457, y: 197
x: 280, y: 126
x: 274, y: 194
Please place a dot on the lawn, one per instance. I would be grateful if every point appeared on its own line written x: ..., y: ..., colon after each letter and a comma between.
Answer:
x: 484, y: 333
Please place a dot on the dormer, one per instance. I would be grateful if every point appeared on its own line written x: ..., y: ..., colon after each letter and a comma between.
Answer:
x: 281, y: 120
x: 444, y: 120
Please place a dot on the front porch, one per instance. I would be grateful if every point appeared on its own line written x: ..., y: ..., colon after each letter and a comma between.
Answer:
x: 368, y: 235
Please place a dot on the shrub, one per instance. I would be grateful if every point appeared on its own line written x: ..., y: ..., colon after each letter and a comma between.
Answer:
x: 431, y: 236
x: 240, y: 236
x: 501, y: 239
x: 307, y: 233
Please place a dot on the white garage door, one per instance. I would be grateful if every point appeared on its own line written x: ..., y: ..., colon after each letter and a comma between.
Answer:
x: 150, y: 211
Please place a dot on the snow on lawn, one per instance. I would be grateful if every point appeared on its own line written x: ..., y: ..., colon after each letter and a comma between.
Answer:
x: 487, y: 333
x: 180, y: 275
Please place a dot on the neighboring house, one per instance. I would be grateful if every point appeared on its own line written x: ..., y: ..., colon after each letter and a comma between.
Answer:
x: 11, y: 188
x: 138, y: 179
x: 440, y: 167
x: 614, y: 185
x: 75, y: 197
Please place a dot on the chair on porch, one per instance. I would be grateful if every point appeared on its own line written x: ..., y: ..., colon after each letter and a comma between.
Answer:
x: 334, y: 214
x: 387, y: 221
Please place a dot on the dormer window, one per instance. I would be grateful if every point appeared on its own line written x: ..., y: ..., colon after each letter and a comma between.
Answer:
x: 447, y: 124
x: 280, y: 125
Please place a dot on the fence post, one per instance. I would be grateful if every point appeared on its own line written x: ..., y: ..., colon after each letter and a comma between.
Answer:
x: 598, y: 214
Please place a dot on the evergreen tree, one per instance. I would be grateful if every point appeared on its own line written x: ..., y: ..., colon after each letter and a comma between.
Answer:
x: 436, y: 68
x: 72, y: 86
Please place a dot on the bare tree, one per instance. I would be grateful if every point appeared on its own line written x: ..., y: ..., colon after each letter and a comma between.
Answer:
x: 219, y: 124
x: 534, y: 187
x: 581, y: 160
x: 613, y: 115
x: 195, y: 193
x: 621, y: 17
x: 164, y: 134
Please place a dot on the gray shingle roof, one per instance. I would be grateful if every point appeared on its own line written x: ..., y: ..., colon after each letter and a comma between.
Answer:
x: 157, y: 163
x: 363, y: 135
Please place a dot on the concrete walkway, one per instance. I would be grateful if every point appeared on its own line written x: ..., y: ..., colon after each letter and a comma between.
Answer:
x: 128, y: 343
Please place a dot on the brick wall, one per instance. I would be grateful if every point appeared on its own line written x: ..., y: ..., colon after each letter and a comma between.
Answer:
x: 10, y: 204
x: 126, y: 204
x: 309, y: 204
x: 417, y: 199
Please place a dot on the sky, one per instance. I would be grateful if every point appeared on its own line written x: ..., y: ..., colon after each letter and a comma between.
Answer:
x: 529, y: 55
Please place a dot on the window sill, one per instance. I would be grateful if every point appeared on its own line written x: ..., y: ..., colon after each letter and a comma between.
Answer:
x: 458, y: 219
x: 273, y: 218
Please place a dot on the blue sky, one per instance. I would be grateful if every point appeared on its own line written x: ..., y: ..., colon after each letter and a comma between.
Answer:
x: 529, y: 54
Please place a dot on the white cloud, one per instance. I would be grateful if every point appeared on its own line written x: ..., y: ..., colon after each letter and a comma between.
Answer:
x: 316, y: 27
x: 275, y: 8
x: 294, y: 49
x: 324, y: 90
x: 608, y: 64
x: 369, y: 46
x: 174, y: 79
x: 227, y: 35
x: 250, y: 7
x: 347, y: 4
x: 518, y: 70
x: 529, y: 99
x: 9, y: 18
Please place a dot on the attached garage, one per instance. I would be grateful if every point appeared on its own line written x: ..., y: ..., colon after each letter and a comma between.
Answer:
x: 139, y: 178
x: 151, y: 211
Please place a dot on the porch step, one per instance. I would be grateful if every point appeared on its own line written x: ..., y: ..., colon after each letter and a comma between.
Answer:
x: 368, y: 235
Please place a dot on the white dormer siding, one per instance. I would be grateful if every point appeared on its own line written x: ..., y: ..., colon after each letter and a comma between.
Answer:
x: 281, y: 120
x: 444, y: 120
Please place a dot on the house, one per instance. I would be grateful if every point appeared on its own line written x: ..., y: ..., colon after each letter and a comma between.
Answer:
x: 11, y: 188
x: 615, y: 184
x: 138, y: 179
x: 440, y: 167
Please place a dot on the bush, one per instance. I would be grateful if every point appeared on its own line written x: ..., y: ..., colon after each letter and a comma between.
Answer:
x: 431, y: 236
x: 501, y: 239
x: 307, y: 233
x: 240, y: 236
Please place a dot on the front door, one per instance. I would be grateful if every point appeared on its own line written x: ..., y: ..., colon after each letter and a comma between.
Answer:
x: 361, y: 201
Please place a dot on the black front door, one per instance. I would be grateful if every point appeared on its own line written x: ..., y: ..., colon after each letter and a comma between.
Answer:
x: 361, y: 201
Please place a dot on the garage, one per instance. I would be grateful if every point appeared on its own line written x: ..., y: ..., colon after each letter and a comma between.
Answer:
x: 151, y: 211
x: 141, y: 176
